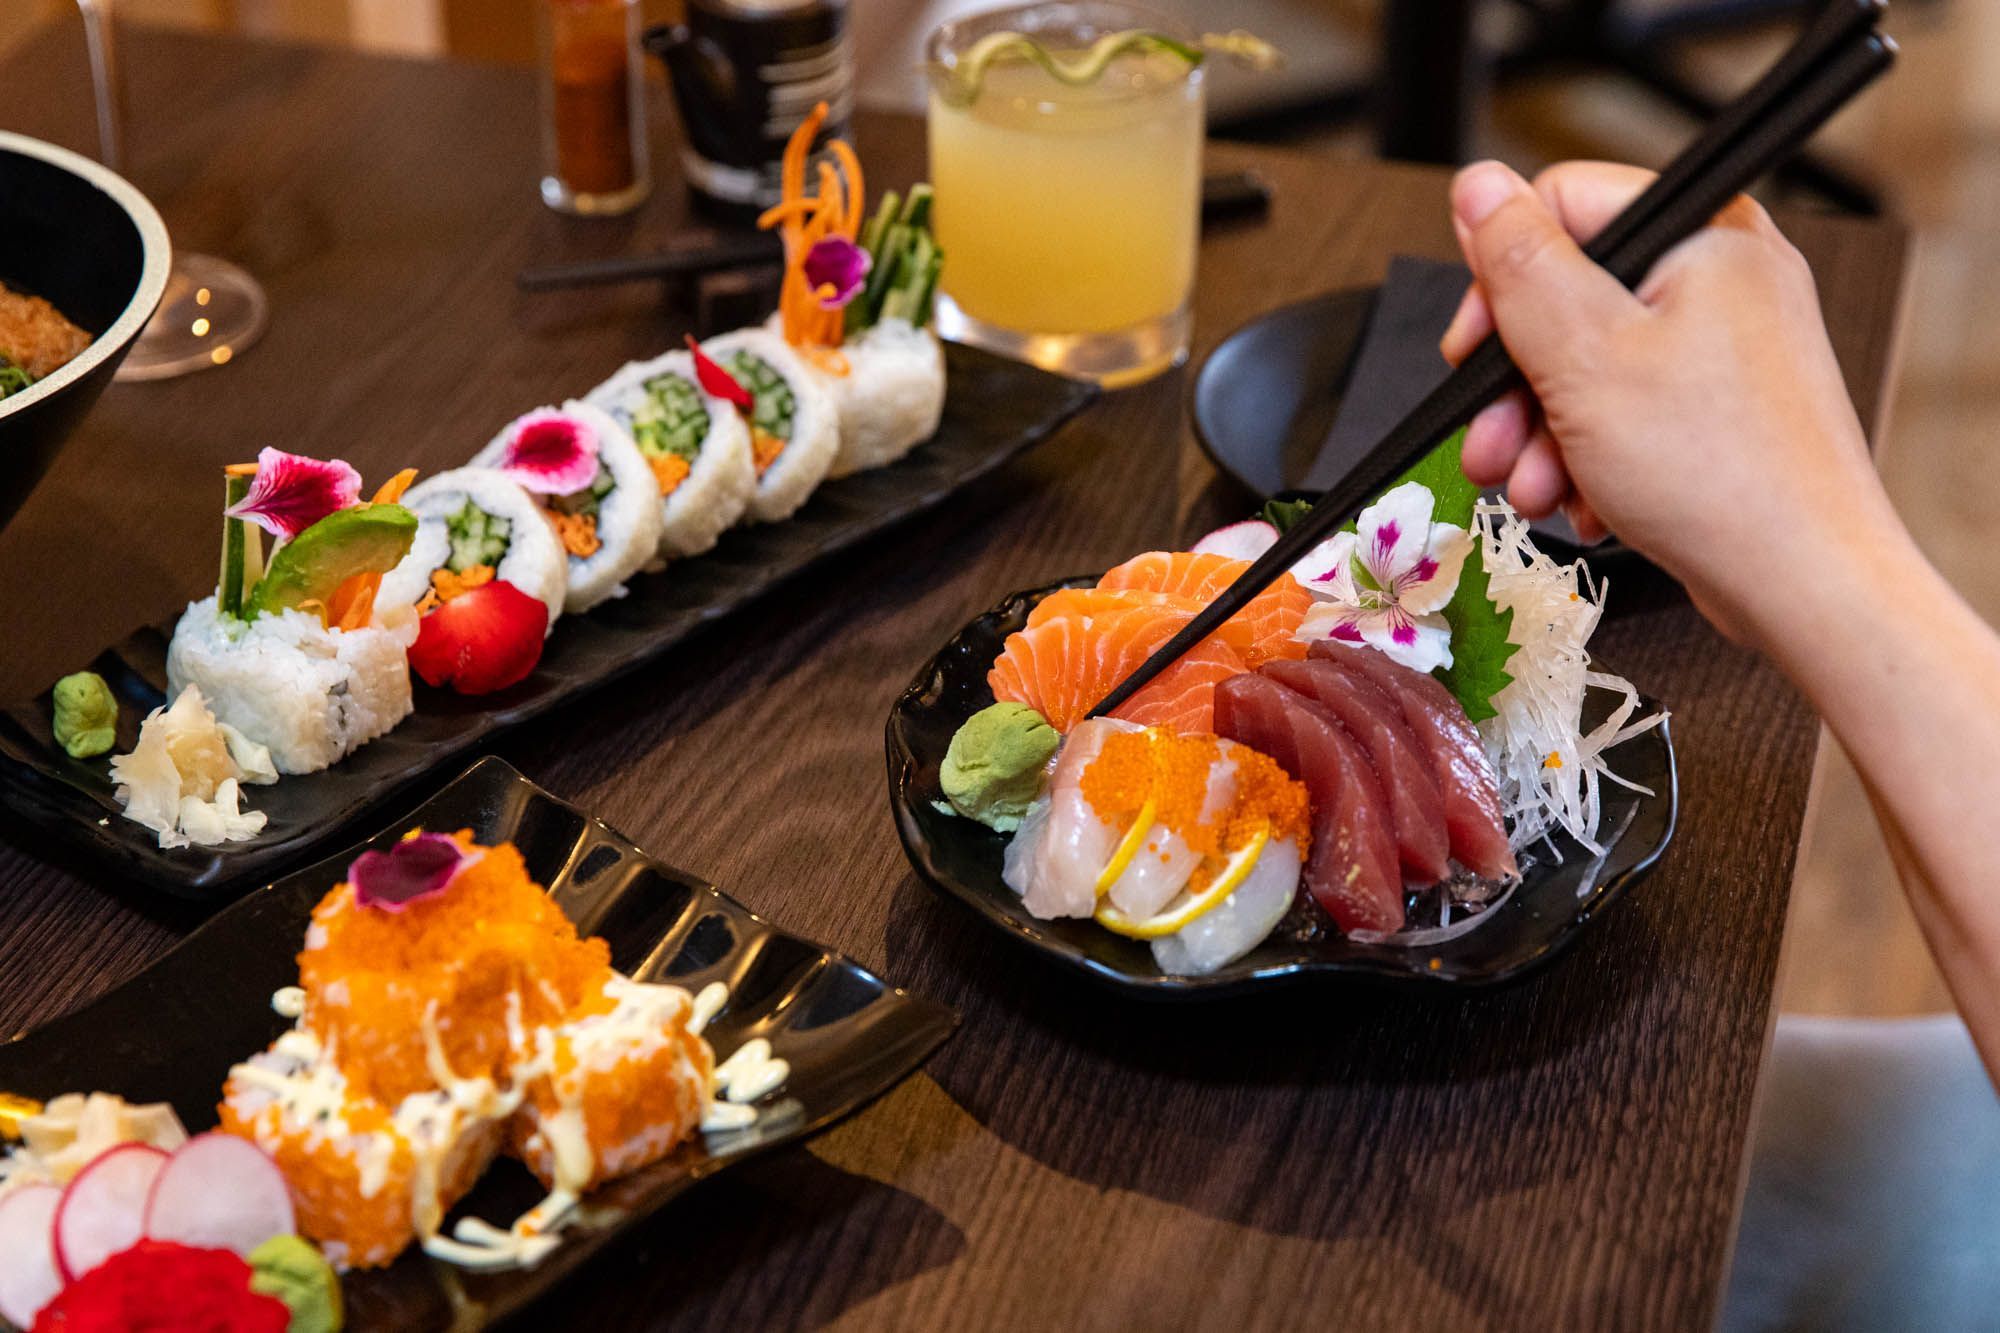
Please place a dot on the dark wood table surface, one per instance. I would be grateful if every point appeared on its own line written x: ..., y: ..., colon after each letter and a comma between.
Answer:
x: 1567, y: 1153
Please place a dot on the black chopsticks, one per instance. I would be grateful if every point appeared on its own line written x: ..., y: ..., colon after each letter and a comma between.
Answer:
x: 1225, y: 197
x: 1838, y: 55
x: 694, y: 256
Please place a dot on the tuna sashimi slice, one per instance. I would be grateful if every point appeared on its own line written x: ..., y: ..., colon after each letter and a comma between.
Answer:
x: 1458, y: 760
x: 1416, y: 809
x: 1352, y: 871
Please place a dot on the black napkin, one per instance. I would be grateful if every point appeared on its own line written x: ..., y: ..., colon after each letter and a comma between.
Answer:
x: 1398, y: 362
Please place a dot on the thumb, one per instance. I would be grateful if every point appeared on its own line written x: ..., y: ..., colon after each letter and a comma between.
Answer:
x: 1549, y: 300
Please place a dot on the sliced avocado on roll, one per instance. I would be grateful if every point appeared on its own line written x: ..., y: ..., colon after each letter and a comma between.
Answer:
x: 366, y: 539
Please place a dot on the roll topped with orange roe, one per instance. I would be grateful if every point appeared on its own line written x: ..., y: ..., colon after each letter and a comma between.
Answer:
x: 448, y: 1009
x: 494, y: 950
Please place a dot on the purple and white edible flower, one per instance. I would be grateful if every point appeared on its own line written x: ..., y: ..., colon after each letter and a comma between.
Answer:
x: 550, y: 452
x: 1385, y: 584
x: 836, y: 268
x: 292, y: 492
x: 421, y: 866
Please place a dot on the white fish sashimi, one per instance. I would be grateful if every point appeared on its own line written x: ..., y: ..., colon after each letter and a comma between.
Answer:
x: 1063, y: 845
x: 1164, y: 861
x: 1243, y: 919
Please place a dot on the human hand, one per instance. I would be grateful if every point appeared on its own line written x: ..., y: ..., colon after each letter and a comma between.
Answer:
x: 1703, y: 418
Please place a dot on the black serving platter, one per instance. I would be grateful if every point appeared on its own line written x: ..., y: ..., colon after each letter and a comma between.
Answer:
x: 172, y: 1032
x: 1545, y: 915
x: 994, y: 410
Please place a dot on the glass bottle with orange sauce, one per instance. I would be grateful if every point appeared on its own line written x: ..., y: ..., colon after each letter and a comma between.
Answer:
x: 594, y: 151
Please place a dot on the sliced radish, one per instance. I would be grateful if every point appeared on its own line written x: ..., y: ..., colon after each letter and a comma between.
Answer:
x: 29, y: 1278
x: 104, y: 1209
x: 1239, y: 541
x: 220, y: 1192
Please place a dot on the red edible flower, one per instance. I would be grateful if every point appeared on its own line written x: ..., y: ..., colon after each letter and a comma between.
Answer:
x: 292, y: 492
x: 420, y: 866
x: 482, y: 640
x: 835, y: 270
x: 160, y: 1287
x: 718, y: 381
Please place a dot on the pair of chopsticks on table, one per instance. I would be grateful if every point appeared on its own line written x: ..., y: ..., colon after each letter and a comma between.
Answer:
x: 1838, y: 55
x: 1224, y: 196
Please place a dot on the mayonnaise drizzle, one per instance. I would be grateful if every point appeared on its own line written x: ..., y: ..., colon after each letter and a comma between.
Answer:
x: 305, y: 1079
x: 750, y: 1073
x: 708, y: 1003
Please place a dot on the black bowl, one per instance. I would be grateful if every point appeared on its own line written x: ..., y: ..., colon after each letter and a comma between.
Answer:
x: 81, y: 237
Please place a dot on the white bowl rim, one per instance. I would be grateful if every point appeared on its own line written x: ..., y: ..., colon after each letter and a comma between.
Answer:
x: 156, y: 261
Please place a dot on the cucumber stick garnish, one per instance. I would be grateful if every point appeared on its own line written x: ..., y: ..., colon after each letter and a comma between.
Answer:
x: 968, y: 74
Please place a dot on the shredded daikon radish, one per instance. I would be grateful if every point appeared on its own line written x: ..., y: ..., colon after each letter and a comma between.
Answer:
x: 1550, y: 770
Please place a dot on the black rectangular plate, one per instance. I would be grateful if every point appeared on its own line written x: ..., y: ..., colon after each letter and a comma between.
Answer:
x: 1554, y: 904
x: 172, y: 1032
x: 994, y: 410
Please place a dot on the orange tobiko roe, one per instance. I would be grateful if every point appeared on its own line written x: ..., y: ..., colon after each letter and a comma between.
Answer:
x: 489, y: 947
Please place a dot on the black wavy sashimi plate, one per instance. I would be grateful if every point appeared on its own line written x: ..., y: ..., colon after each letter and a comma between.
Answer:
x: 172, y: 1032
x: 1546, y: 914
x: 995, y: 409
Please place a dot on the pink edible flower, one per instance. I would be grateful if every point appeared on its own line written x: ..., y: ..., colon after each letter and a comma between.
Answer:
x: 419, y: 866
x: 835, y: 269
x: 292, y: 492
x: 550, y: 452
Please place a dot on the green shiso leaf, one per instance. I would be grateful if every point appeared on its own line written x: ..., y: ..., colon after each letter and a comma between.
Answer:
x: 1282, y: 514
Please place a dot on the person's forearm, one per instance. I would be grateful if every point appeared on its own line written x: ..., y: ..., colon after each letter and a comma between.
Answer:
x: 1908, y: 677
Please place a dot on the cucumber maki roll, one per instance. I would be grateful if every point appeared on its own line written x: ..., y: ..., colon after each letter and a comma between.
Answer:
x: 794, y: 425
x: 891, y: 398
x: 697, y: 445
x: 476, y: 526
x: 610, y: 525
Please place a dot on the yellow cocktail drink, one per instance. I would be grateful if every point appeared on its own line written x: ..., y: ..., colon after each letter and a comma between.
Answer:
x: 1070, y: 211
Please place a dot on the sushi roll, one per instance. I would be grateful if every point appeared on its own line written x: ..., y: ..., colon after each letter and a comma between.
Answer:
x: 295, y: 650
x: 367, y: 1177
x: 891, y: 397
x: 625, y: 1085
x: 477, y: 526
x: 696, y: 444
x: 1191, y: 843
x: 610, y: 526
x: 794, y: 424
x: 310, y: 693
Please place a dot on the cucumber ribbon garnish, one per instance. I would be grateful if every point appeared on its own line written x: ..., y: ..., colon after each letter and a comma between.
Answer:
x: 968, y: 74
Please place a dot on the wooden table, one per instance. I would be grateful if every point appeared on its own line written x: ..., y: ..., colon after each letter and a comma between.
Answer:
x: 1564, y: 1154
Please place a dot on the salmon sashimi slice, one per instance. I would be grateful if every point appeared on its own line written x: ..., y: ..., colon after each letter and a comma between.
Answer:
x: 1267, y: 623
x: 1063, y: 666
x: 1457, y: 759
x: 1093, y: 602
x: 1352, y: 871
x: 1416, y: 808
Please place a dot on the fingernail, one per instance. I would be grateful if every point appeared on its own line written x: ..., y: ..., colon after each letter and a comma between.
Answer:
x: 1480, y: 189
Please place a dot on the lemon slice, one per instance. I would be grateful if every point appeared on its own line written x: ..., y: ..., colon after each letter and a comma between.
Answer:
x: 1128, y: 847
x: 1169, y: 923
